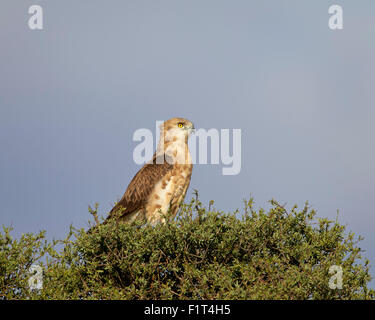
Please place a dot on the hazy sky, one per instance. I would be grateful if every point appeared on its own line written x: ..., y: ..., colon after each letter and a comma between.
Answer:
x: 72, y: 95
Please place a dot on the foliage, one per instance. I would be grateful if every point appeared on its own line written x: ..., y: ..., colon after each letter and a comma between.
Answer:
x: 202, y: 254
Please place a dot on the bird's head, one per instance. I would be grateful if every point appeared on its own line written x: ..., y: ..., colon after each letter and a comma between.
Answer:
x: 177, y: 128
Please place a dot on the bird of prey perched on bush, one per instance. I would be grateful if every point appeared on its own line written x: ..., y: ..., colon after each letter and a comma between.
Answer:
x: 160, y: 185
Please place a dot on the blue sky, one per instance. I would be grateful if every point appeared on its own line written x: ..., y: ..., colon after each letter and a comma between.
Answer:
x: 72, y: 95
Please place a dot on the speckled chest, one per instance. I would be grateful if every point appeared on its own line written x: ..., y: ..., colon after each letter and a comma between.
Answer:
x: 168, y: 192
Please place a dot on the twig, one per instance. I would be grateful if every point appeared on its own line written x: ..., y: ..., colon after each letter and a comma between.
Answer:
x: 94, y: 212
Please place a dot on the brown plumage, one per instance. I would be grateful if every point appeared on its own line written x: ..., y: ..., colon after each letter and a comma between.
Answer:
x: 160, y: 185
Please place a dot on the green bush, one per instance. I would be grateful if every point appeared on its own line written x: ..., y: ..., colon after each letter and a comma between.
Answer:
x: 202, y: 254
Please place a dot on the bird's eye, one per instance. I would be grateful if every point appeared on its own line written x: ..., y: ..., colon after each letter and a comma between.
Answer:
x: 180, y: 125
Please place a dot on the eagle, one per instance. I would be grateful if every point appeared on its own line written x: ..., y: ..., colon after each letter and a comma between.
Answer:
x: 160, y: 186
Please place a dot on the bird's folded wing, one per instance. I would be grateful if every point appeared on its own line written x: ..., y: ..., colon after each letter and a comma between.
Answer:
x: 141, y: 186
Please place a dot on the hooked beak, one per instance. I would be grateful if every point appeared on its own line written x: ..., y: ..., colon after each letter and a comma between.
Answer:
x: 192, y: 129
